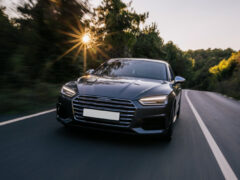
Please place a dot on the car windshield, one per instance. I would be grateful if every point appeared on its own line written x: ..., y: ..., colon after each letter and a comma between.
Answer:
x: 133, y: 68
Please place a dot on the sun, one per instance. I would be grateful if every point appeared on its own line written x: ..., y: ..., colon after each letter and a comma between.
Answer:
x: 86, y: 38
x: 83, y: 40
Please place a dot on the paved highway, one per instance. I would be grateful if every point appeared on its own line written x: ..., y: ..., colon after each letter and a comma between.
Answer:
x: 205, y: 145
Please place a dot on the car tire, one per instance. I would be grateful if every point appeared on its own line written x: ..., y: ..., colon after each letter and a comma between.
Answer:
x: 168, y: 135
x: 179, y: 107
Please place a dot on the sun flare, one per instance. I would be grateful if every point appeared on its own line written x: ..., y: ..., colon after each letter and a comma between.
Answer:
x: 83, y: 40
x: 86, y: 38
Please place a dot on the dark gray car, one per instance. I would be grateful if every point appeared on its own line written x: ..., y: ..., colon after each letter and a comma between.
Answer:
x: 129, y: 95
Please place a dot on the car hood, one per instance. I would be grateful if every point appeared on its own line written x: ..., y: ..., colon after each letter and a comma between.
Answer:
x: 122, y: 88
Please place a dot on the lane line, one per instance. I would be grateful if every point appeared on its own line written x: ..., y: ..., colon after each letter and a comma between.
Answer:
x: 26, y: 117
x: 221, y: 160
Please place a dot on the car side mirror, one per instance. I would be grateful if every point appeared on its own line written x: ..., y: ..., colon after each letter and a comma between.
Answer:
x: 179, y: 79
x: 89, y: 72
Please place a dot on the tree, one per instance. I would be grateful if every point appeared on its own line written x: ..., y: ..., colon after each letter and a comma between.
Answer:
x: 225, y: 68
x: 40, y: 27
x: 181, y: 63
x: 149, y: 44
x: 204, y: 59
x: 120, y: 26
x: 225, y: 76
x: 8, y: 44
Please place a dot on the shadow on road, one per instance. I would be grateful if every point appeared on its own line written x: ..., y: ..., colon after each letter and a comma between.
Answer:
x: 79, y: 134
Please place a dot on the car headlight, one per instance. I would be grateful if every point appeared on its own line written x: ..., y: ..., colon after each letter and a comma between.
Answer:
x: 154, y: 100
x: 68, y: 91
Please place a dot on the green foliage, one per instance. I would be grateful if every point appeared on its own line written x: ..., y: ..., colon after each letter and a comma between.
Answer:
x: 39, y: 97
x: 120, y: 26
x: 9, y: 38
x: 204, y: 59
x: 225, y: 76
x: 208, y: 57
x: 149, y: 44
x: 225, y: 67
x: 43, y: 43
x: 181, y: 63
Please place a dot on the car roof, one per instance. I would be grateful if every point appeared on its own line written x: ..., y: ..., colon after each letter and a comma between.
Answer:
x: 142, y: 59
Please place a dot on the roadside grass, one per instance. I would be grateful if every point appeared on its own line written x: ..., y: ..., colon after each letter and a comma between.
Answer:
x: 229, y: 88
x: 40, y: 96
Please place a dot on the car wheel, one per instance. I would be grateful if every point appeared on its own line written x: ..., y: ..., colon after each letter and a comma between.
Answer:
x: 168, y: 135
x: 179, y: 107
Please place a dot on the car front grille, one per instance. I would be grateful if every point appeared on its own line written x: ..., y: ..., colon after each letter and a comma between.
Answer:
x: 125, y: 107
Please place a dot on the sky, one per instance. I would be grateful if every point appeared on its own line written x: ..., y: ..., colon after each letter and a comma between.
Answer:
x: 191, y: 24
x: 194, y: 24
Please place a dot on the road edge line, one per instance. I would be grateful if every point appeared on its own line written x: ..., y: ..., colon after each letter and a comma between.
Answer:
x: 226, y: 169
x: 26, y: 117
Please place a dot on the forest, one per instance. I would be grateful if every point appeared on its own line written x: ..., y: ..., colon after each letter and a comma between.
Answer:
x: 40, y: 50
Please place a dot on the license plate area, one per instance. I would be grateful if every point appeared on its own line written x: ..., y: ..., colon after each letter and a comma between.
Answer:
x: 100, y: 114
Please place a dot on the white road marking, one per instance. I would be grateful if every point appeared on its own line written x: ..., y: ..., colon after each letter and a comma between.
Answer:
x: 26, y: 117
x: 221, y: 160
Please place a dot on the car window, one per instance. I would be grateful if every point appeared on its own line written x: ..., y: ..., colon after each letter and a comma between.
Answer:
x: 133, y: 68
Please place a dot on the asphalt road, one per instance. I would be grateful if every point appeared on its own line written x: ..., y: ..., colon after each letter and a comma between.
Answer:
x: 41, y: 148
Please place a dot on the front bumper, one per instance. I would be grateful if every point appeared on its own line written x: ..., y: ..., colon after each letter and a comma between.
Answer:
x: 147, y: 120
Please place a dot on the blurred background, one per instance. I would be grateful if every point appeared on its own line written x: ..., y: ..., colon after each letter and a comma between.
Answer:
x: 45, y: 43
